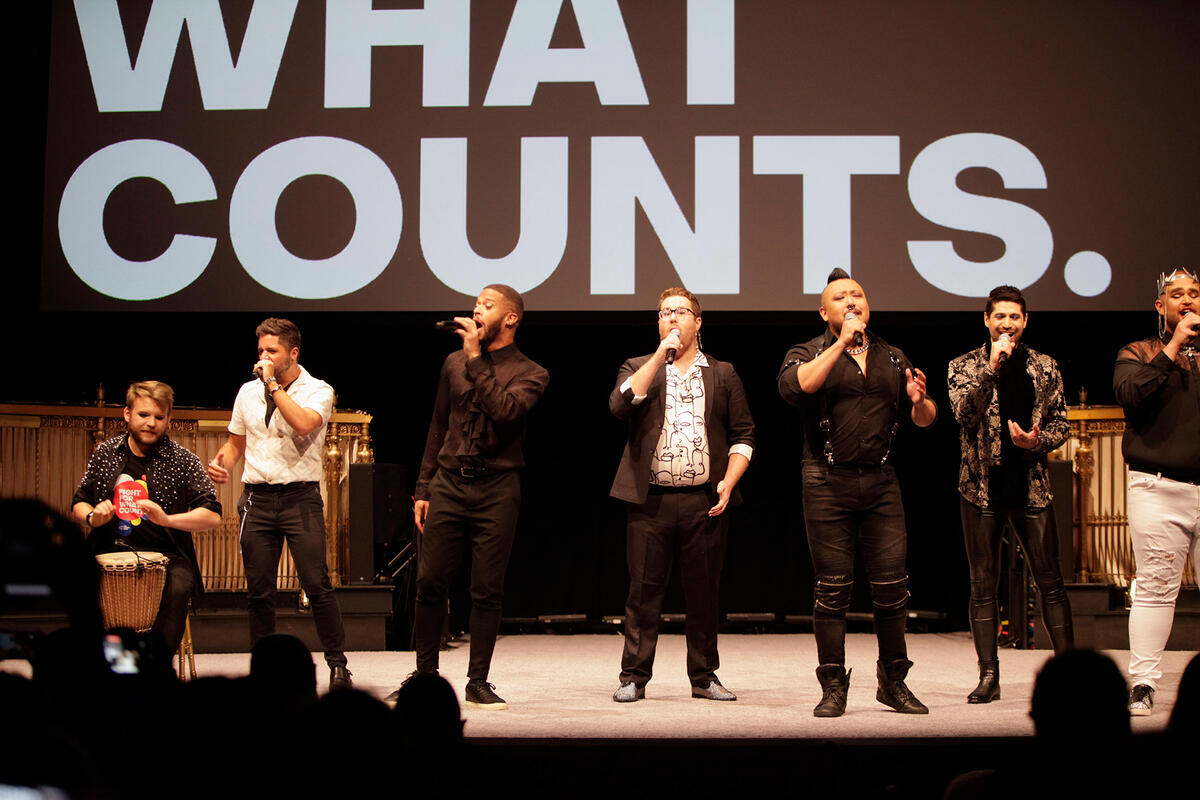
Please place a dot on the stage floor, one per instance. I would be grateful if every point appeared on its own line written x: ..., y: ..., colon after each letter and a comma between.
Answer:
x: 560, y: 687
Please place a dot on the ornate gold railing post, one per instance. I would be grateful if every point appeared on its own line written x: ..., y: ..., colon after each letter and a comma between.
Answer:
x: 333, y: 482
x: 98, y: 433
x: 1085, y: 466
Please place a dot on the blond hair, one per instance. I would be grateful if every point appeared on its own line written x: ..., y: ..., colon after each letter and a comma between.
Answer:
x: 157, y: 391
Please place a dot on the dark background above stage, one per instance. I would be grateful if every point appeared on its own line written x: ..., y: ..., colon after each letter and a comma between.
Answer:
x: 569, y: 553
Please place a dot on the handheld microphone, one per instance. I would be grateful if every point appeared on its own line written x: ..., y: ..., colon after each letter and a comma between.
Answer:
x: 1005, y: 339
x: 671, y: 351
x: 257, y: 372
x: 450, y: 325
x: 858, y: 337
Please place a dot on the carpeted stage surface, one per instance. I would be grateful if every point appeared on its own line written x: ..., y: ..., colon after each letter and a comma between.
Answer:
x: 560, y: 687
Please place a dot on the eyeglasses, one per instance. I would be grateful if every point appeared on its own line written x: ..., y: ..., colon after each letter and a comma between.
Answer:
x: 682, y: 311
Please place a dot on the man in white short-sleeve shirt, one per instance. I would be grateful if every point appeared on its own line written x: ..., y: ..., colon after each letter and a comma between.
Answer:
x: 279, y: 424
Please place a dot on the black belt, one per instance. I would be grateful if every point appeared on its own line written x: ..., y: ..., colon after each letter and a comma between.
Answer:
x: 474, y: 472
x: 270, y: 488
x: 859, y: 468
x: 657, y: 489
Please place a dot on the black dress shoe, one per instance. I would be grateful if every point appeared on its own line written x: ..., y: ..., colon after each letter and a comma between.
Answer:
x: 988, y: 688
x: 339, y: 678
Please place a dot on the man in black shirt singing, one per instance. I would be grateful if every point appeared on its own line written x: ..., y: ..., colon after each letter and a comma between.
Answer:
x: 1157, y: 382
x: 469, y: 490
x: 181, y: 500
x: 853, y: 390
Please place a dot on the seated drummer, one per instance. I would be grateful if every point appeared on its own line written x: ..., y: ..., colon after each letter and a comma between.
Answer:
x: 182, y: 499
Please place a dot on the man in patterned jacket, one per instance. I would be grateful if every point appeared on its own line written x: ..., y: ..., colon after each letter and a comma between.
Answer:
x: 181, y: 500
x: 1008, y: 400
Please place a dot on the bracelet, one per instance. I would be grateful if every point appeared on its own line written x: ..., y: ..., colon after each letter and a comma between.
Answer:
x: 88, y: 518
x: 276, y: 389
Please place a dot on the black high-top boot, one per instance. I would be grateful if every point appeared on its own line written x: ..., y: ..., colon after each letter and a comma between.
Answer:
x: 984, y: 634
x: 1056, y: 614
x: 892, y: 691
x: 835, y: 683
x: 989, y: 683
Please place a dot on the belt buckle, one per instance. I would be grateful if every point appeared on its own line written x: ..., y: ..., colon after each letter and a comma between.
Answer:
x: 470, y: 473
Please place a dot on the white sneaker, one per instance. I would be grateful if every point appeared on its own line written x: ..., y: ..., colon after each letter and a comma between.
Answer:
x: 1141, y: 700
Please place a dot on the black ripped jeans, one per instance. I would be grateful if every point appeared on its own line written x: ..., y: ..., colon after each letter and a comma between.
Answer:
x: 845, y: 508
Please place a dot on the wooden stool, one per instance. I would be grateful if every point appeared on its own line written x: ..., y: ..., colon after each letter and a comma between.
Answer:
x: 185, y: 646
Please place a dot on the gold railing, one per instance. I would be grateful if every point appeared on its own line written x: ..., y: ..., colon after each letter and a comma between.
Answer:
x: 44, y: 450
x: 1103, y: 550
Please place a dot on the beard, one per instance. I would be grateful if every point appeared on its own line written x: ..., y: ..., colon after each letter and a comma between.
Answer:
x: 146, y: 439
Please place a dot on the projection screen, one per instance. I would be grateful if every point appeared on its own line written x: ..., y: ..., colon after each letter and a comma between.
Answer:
x: 350, y: 155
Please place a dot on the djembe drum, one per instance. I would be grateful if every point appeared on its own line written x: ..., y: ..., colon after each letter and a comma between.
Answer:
x: 131, y: 588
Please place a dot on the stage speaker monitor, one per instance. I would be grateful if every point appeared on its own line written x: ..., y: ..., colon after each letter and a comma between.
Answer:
x: 1062, y: 484
x: 380, y: 511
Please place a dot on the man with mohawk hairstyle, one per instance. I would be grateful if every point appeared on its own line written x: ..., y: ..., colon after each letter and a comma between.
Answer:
x: 1157, y: 382
x: 853, y: 390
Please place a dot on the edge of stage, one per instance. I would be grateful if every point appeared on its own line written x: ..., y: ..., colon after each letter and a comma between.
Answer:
x: 559, y: 690
x: 562, y: 730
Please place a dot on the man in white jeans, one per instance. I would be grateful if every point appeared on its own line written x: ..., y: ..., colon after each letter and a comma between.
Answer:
x: 1157, y: 381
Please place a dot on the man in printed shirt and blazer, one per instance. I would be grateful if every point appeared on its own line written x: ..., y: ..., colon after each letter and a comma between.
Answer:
x: 690, y: 439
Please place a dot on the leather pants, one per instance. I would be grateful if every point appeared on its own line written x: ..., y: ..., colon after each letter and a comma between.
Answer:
x: 1038, y: 535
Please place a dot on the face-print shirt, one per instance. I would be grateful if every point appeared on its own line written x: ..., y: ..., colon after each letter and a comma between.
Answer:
x: 681, y: 456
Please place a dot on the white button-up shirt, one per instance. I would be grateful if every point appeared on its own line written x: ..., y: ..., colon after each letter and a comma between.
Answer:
x: 275, y: 453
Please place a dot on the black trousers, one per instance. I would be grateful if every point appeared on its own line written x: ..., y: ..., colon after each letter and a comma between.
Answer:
x: 845, y: 508
x: 292, y: 512
x: 172, y: 611
x: 479, y: 515
x: 1038, y: 535
x: 666, y: 524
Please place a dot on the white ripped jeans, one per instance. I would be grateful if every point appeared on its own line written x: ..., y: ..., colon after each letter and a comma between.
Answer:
x: 1164, y: 524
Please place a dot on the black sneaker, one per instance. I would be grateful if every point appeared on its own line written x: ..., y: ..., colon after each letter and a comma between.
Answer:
x: 394, y: 697
x: 1141, y: 700
x: 339, y: 678
x: 480, y: 694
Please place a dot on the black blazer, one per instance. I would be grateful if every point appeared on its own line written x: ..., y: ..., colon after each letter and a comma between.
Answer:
x: 726, y: 416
